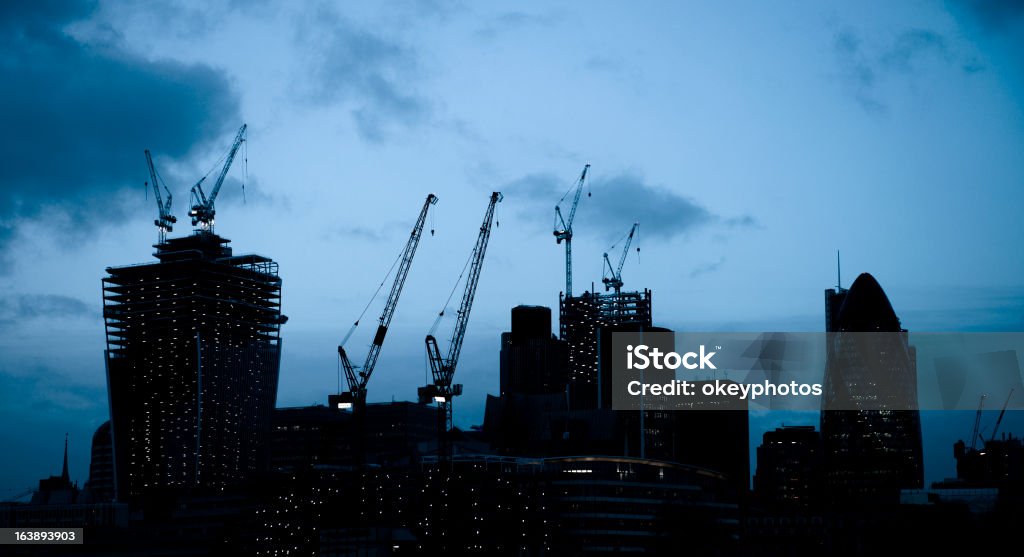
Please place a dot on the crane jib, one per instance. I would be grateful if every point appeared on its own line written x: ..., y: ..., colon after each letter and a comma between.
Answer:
x: 358, y: 385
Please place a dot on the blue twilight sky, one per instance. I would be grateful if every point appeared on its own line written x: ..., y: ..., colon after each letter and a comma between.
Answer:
x: 751, y: 140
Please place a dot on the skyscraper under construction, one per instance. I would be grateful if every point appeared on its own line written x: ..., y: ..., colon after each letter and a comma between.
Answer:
x: 581, y: 319
x: 193, y: 355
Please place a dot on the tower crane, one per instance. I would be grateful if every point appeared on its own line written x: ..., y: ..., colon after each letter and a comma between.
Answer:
x: 977, y: 422
x: 165, y: 221
x: 202, y: 211
x: 442, y: 369
x: 613, y: 278
x: 563, y: 227
x: 357, y: 378
x: 999, y: 420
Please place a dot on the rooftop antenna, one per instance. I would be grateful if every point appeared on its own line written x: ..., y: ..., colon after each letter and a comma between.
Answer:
x: 66, y: 477
x: 839, y: 273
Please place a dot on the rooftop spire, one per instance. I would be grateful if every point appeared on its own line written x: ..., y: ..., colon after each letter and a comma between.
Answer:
x: 64, y: 475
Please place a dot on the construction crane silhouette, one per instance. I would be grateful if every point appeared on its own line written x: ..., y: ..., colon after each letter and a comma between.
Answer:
x: 999, y: 420
x: 442, y: 369
x: 612, y: 278
x: 203, y: 211
x: 358, y: 378
x: 165, y: 220
x: 977, y: 423
x: 563, y: 227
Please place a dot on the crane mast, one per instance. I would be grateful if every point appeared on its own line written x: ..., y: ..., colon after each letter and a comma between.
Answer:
x: 999, y: 420
x: 355, y: 397
x: 443, y: 368
x: 614, y: 280
x: 977, y: 422
x: 203, y: 211
x: 165, y: 220
x: 563, y: 228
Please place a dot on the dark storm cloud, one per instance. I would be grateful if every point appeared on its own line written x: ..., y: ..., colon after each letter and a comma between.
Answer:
x: 76, y: 118
x: 864, y: 69
x: 616, y: 203
x: 16, y: 308
x: 372, y: 76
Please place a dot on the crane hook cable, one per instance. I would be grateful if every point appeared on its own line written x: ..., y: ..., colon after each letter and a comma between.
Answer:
x: 437, y: 321
x: 372, y: 298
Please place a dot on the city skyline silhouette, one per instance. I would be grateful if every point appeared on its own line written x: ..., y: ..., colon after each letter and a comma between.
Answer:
x: 893, y: 139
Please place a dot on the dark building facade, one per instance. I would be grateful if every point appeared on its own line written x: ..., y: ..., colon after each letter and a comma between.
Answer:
x: 532, y: 360
x: 717, y: 439
x: 999, y: 461
x: 101, y: 465
x: 494, y: 505
x: 834, y: 298
x: 393, y: 434
x: 705, y: 434
x: 789, y: 472
x: 869, y: 454
x: 305, y: 437
x: 193, y: 355
x: 580, y: 319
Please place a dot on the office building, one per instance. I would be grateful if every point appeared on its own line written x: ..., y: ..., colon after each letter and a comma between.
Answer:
x: 789, y: 472
x: 871, y: 453
x: 193, y: 353
x: 532, y: 360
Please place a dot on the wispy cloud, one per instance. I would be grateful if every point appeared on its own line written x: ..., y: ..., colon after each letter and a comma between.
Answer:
x: 511, y: 22
x: 371, y: 75
x: 913, y: 45
x: 381, y: 232
x: 859, y: 74
x: 707, y: 268
x: 249, y: 191
x: 864, y: 68
x: 614, y: 203
x: 615, y: 66
x: 16, y: 308
x: 364, y: 233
